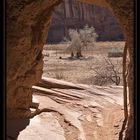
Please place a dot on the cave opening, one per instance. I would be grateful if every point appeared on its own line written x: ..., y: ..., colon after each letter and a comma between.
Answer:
x: 25, y: 71
x: 107, y: 49
x: 91, y: 70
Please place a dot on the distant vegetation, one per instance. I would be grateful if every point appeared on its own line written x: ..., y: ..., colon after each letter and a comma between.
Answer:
x: 80, y: 39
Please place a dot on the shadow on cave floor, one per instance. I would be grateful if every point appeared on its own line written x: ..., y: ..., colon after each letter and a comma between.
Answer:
x: 14, y: 127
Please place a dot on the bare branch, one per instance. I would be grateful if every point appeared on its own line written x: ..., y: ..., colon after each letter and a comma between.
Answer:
x: 107, y: 72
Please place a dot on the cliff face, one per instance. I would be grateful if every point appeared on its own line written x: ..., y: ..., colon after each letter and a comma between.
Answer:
x: 74, y: 14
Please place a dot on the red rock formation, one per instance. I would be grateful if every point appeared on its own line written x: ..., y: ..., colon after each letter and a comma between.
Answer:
x: 74, y: 14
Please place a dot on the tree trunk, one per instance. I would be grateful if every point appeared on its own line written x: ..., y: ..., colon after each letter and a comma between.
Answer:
x: 79, y: 54
x: 72, y: 54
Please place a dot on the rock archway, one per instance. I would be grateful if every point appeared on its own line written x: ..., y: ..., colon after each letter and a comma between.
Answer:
x: 27, y: 25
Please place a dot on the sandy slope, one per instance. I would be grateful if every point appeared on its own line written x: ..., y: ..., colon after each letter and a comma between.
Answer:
x: 91, y: 113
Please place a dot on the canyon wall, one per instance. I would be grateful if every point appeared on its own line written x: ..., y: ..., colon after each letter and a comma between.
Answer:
x: 75, y: 14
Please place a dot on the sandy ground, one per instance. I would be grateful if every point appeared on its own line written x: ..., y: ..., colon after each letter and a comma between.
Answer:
x: 92, y: 113
x: 79, y: 71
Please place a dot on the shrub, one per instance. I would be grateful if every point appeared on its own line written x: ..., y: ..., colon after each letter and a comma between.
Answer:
x: 108, y: 73
x: 59, y: 75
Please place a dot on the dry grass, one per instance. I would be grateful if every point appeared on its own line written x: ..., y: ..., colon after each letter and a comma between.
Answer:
x: 77, y: 70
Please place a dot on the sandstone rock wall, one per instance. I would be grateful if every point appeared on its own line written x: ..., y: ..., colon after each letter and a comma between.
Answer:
x: 27, y: 26
x: 75, y: 14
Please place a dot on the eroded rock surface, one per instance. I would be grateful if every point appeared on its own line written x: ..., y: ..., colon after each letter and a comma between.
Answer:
x: 27, y: 26
x: 93, y: 112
